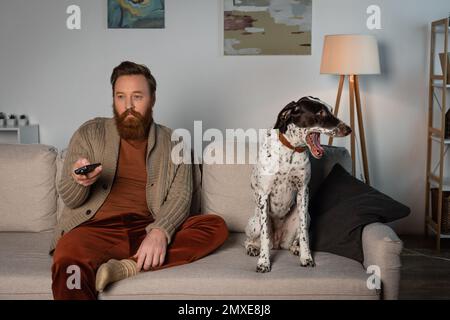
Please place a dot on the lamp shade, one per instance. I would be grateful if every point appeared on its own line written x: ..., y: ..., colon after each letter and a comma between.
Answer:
x: 350, y: 55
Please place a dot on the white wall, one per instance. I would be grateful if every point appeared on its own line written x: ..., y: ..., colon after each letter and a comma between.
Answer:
x: 60, y: 78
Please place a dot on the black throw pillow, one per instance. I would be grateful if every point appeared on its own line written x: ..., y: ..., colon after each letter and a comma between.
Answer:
x: 342, y: 207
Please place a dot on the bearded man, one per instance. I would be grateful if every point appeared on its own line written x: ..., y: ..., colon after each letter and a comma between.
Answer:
x: 131, y: 214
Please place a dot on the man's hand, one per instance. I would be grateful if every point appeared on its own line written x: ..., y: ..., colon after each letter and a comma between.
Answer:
x: 90, y: 178
x: 152, y: 250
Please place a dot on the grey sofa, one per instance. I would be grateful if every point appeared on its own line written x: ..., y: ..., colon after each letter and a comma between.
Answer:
x: 29, y: 209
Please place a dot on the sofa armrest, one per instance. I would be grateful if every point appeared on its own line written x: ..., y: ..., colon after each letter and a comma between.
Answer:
x: 382, y: 248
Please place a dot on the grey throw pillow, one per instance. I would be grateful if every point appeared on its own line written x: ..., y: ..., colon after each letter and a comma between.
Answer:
x: 340, y: 210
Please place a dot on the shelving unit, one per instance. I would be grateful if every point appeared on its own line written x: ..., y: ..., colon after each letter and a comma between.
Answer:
x: 437, y: 82
x: 22, y: 134
x: 440, y: 85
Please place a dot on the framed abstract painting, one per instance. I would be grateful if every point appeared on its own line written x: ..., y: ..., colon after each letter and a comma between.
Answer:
x: 267, y: 27
x: 136, y: 14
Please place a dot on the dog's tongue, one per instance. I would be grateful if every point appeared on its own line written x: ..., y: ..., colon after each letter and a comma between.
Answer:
x: 316, y: 148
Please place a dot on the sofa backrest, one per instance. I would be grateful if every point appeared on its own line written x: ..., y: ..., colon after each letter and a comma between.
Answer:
x: 226, y: 189
x: 320, y: 168
x: 59, y: 165
x: 29, y: 199
x: 29, y: 174
x: 27, y: 187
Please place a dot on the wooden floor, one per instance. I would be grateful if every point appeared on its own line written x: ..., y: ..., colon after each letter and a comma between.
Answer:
x: 425, y: 273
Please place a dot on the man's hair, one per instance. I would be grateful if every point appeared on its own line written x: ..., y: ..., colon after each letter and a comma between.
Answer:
x: 127, y: 68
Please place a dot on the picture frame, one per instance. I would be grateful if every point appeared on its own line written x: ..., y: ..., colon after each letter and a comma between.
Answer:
x: 136, y: 14
x: 267, y: 27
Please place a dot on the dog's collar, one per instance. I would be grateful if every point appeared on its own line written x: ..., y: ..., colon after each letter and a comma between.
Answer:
x: 285, y: 142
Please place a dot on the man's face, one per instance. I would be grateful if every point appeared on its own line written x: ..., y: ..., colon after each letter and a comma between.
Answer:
x: 133, y: 105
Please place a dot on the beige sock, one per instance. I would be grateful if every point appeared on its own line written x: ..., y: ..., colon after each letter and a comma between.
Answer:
x: 114, y: 270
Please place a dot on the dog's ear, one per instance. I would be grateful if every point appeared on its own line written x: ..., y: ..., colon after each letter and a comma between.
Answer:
x: 285, y: 115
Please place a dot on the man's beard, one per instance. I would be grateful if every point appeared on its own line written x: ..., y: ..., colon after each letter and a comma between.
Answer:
x: 135, y: 127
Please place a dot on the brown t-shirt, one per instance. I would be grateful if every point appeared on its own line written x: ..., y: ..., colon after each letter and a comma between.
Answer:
x: 128, y: 193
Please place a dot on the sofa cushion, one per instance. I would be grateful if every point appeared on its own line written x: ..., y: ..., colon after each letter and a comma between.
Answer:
x: 340, y: 210
x: 27, y: 188
x: 229, y: 273
x: 226, y: 189
x: 25, y: 265
x: 59, y: 166
x: 197, y: 188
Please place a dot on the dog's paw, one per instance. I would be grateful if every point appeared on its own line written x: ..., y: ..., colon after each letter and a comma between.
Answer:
x: 252, y: 251
x: 295, y: 249
x: 307, y: 262
x: 262, y: 268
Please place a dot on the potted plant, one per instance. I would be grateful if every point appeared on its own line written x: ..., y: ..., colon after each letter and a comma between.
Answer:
x: 12, y: 120
x: 23, y: 120
x: 2, y: 119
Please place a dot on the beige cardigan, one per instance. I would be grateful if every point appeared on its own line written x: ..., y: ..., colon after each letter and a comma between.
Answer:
x: 168, y: 189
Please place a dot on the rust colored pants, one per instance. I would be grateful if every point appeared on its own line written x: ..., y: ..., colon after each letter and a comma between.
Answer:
x: 95, y: 242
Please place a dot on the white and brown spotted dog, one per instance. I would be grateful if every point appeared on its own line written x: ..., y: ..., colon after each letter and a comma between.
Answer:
x: 280, y: 180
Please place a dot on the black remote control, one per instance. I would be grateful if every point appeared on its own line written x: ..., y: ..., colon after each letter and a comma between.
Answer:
x: 86, y: 169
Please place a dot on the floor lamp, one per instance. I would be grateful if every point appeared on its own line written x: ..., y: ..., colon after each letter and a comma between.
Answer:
x: 351, y: 56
